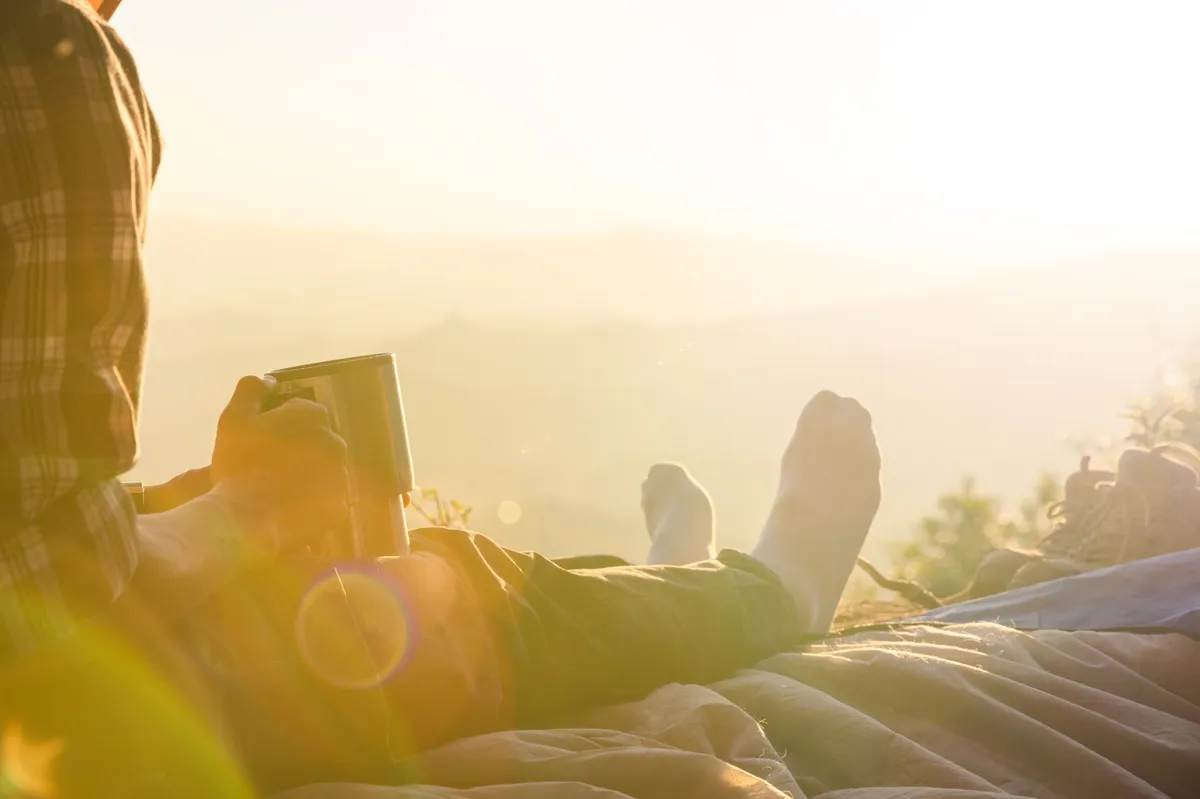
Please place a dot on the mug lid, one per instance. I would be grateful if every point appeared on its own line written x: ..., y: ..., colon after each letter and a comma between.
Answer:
x: 334, y: 366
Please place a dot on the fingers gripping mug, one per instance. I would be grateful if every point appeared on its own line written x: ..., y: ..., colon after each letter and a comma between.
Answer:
x: 362, y: 395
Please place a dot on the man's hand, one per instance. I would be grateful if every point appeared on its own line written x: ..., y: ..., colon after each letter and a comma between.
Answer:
x: 279, y: 480
x: 288, y: 458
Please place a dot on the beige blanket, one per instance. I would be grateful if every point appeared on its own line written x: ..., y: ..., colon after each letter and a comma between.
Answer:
x: 969, y: 711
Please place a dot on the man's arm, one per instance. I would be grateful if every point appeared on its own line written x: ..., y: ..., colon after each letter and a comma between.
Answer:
x: 191, y: 551
x: 78, y: 153
x: 178, y: 490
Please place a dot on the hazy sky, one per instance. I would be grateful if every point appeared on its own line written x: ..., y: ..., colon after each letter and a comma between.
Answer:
x: 1017, y: 128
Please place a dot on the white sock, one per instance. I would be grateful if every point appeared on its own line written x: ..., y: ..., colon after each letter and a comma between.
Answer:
x: 827, y: 499
x: 679, y: 517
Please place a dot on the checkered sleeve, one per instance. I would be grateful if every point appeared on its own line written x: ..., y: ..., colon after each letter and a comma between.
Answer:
x: 78, y: 153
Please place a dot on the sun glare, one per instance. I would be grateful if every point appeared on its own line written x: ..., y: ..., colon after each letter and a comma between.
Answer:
x: 1030, y: 127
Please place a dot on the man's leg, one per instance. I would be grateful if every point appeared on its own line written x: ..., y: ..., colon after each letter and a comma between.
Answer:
x: 464, y: 636
x: 335, y: 674
x: 827, y: 497
x: 679, y: 517
x: 577, y: 562
x: 569, y: 640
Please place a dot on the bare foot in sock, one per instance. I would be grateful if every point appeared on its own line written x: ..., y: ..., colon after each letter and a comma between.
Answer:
x: 679, y: 516
x: 828, y: 496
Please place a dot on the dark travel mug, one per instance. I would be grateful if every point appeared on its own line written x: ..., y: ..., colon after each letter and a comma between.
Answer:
x: 362, y: 395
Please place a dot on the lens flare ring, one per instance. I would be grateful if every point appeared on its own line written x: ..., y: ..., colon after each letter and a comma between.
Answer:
x: 355, y: 627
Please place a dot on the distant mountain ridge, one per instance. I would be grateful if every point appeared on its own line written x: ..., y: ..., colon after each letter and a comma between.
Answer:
x: 565, y: 416
x: 633, y: 273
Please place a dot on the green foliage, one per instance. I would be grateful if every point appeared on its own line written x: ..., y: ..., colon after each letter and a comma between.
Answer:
x: 948, y: 546
x: 439, y: 512
x: 1169, y: 415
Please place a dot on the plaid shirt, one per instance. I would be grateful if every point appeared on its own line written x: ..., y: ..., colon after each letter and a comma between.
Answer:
x: 79, y: 149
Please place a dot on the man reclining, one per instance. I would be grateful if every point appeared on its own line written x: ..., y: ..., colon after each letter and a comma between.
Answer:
x: 179, y: 651
x: 137, y: 639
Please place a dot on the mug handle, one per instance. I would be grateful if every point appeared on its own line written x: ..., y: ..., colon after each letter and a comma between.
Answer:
x: 280, y: 397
